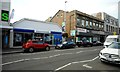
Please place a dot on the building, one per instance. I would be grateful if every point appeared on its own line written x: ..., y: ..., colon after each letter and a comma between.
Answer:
x: 26, y: 29
x: 111, y: 25
x: 4, y: 23
x: 119, y: 13
x: 80, y: 25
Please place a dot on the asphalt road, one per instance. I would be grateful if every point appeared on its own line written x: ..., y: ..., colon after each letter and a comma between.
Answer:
x: 83, y: 58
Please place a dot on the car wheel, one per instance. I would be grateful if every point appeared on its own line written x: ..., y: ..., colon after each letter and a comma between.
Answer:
x: 47, y: 48
x: 78, y: 45
x: 31, y: 50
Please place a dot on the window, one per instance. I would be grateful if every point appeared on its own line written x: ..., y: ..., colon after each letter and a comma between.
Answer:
x: 115, y: 45
x: 94, y: 24
x: 83, y: 23
x: 78, y: 22
x: 90, y: 24
x: 106, y: 27
x: 86, y: 23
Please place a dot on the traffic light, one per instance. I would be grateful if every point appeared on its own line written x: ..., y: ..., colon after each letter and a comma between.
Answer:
x: 4, y: 15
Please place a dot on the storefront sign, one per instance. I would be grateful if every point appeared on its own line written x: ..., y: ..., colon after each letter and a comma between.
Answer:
x: 98, y: 32
x: 72, y: 33
x: 82, y: 30
x: 4, y: 15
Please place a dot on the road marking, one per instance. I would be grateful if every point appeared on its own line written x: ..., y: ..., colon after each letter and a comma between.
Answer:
x: 79, y: 52
x: 63, y: 67
x: 13, y: 62
x: 77, y: 62
x: 85, y: 65
x: 95, y: 58
x: 66, y: 53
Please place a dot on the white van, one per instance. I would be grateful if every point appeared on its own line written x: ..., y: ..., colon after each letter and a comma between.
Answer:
x: 111, y: 38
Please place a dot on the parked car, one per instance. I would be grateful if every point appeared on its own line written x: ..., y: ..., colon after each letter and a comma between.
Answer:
x: 31, y: 45
x: 66, y: 45
x: 111, y: 54
x: 84, y: 43
x: 97, y: 43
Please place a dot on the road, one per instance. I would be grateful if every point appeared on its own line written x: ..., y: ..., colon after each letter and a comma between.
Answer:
x: 83, y: 58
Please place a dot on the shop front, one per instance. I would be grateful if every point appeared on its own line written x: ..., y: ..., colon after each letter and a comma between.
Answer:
x: 56, y: 37
x: 83, y: 34
x: 6, y: 36
x: 90, y: 35
x: 21, y: 35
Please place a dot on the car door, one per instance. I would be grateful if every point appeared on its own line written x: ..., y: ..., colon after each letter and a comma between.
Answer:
x: 40, y: 44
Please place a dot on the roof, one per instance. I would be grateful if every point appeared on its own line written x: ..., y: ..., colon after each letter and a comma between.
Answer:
x: 39, y: 26
x: 113, y: 36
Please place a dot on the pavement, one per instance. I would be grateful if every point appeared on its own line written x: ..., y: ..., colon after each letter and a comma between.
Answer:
x: 16, y: 49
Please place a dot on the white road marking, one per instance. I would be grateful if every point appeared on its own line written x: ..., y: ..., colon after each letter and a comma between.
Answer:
x: 13, y: 62
x: 66, y: 53
x: 77, y: 62
x: 62, y: 67
x: 85, y: 65
x: 79, y: 52
x: 51, y: 57
x: 95, y: 58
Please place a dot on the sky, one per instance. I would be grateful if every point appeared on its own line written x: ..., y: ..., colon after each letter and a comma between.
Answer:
x: 43, y: 9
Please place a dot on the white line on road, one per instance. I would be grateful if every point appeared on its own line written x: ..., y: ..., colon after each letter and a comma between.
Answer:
x: 79, y: 52
x: 63, y: 67
x: 13, y: 62
x: 85, y: 65
x: 77, y: 62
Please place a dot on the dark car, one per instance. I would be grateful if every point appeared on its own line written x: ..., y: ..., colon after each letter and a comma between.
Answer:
x: 97, y: 43
x: 32, y: 45
x: 84, y: 43
x: 66, y: 45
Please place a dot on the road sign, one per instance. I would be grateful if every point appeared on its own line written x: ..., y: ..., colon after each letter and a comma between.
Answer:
x: 114, y: 33
x: 4, y: 15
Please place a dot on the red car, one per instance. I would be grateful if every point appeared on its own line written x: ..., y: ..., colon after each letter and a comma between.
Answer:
x: 31, y: 45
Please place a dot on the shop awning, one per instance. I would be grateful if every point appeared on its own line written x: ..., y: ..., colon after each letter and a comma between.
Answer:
x: 53, y: 32
x: 8, y: 27
x: 22, y: 30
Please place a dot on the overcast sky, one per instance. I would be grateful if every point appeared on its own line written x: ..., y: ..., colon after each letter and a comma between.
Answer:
x: 42, y: 9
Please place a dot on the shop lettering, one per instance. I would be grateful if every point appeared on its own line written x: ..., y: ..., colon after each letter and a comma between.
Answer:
x: 5, y: 15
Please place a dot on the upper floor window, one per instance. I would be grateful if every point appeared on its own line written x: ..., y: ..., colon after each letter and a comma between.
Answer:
x: 94, y: 24
x: 78, y: 22
x: 86, y: 23
x: 90, y: 24
x: 83, y: 21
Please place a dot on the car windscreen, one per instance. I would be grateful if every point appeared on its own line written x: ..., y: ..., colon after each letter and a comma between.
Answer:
x: 114, y: 45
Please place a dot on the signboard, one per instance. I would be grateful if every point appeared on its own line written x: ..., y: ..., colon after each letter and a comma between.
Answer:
x: 72, y: 32
x: 4, y: 15
x: 114, y: 33
x: 98, y: 32
x: 81, y: 30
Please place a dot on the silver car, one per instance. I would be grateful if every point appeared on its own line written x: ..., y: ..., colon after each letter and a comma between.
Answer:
x: 111, y: 53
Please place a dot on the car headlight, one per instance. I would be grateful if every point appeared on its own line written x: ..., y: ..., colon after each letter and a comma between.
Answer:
x: 60, y: 45
x: 115, y: 56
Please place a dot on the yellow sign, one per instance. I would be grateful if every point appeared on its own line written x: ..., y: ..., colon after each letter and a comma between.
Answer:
x: 114, y: 33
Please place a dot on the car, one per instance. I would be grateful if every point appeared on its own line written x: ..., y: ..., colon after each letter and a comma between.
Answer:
x: 111, y: 38
x: 97, y: 43
x: 84, y: 43
x: 32, y: 45
x: 111, y: 54
x: 66, y: 44
x: 79, y: 43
